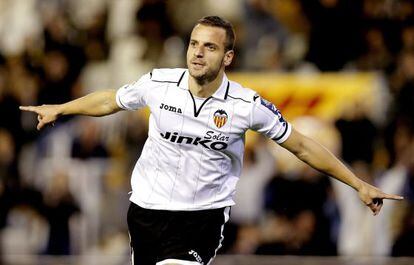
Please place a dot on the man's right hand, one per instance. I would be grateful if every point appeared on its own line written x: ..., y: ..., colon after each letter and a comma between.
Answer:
x: 46, y: 114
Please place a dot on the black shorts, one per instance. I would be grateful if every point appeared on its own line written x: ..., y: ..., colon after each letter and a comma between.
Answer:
x: 158, y: 235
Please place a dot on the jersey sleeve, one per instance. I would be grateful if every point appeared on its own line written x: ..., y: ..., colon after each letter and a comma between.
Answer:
x: 268, y: 120
x: 134, y: 96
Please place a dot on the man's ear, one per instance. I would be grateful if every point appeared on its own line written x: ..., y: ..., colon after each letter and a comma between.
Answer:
x: 228, y: 57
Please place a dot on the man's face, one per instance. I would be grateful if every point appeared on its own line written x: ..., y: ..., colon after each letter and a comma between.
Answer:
x: 206, y: 54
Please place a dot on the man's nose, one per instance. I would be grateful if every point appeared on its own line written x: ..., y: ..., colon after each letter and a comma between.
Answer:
x: 199, y: 52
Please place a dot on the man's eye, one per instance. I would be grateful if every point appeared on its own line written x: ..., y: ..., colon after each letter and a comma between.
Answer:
x: 211, y: 48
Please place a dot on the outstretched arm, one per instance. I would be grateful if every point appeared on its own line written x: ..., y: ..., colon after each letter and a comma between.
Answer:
x: 321, y: 159
x: 98, y: 103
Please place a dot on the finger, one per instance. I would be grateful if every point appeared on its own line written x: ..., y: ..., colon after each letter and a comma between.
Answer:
x: 40, y: 125
x: 372, y: 207
x: 377, y: 205
x: 39, y: 118
x: 392, y: 197
x: 378, y: 209
x: 28, y: 108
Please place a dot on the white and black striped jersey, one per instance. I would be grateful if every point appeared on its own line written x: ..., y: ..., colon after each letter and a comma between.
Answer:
x: 193, y: 156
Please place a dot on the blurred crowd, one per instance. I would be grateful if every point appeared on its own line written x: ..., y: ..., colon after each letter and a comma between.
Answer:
x: 64, y: 190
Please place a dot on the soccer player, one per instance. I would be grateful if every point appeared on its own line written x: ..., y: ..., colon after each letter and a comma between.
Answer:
x: 184, y: 182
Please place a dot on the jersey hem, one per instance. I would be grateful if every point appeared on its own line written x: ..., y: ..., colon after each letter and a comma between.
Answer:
x: 287, y: 134
x: 172, y: 207
x: 118, y: 101
x: 177, y: 261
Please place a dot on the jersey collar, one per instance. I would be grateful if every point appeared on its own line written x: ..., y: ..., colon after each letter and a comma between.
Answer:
x: 221, y: 93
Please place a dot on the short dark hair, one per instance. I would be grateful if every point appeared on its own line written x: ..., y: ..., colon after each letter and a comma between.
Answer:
x: 216, y: 21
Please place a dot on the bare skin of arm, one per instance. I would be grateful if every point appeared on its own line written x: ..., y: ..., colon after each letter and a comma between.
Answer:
x: 321, y: 159
x: 96, y: 104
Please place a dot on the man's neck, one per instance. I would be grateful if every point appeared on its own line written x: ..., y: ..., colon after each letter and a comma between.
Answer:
x: 205, y: 90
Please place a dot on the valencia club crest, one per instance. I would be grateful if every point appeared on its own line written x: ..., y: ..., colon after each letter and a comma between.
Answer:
x: 220, y: 118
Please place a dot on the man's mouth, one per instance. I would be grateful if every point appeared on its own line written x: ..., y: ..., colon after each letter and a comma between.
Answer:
x: 197, y: 64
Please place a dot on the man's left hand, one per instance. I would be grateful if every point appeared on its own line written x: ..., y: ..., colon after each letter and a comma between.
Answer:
x: 373, y: 197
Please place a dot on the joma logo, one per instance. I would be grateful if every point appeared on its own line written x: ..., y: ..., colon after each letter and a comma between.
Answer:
x: 196, y: 256
x: 170, y: 108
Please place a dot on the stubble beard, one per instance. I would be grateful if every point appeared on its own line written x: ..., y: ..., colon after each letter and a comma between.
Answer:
x: 208, y: 76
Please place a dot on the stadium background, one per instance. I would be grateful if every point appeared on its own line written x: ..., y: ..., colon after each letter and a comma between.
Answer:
x: 341, y: 70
